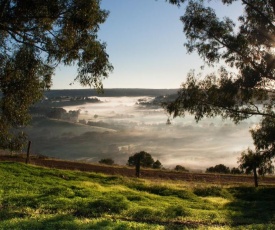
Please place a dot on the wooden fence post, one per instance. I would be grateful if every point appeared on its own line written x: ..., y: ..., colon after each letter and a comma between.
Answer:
x: 28, y: 152
x: 138, y: 167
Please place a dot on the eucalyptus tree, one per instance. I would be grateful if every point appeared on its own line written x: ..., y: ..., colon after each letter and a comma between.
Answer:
x: 244, y: 85
x: 35, y: 37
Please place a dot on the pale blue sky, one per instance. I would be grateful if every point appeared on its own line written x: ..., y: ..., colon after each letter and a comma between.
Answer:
x: 145, y: 44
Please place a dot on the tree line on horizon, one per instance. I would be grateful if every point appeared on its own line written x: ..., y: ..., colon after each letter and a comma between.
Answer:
x: 246, y: 166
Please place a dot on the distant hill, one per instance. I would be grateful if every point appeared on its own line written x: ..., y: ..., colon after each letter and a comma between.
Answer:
x: 109, y: 92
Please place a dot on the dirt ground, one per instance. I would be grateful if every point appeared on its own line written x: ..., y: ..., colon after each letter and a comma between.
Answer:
x: 145, y: 173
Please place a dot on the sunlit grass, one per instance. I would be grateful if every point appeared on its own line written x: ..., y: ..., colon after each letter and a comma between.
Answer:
x: 217, y: 200
x: 39, y: 198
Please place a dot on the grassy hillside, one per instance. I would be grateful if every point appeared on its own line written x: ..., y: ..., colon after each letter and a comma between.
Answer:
x: 62, y: 139
x: 38, y: 198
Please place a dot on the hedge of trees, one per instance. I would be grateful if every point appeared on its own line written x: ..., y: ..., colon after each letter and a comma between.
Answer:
x: 220, y: 168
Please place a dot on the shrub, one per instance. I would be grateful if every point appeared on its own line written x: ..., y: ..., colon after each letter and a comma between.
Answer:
x: 157, y: 164
x: 235, y: 171
x: 107, y: 161
x: 218, y: 169
x: 181, y: 168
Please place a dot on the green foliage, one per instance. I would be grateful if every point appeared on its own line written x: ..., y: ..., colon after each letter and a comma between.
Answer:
x: 176, y: 2
x: 33, y: 197
x: 35, y: 37
x: 145, y: 159
x: 107, y: 161
x: 214, y: 39
x: 218, y: 169
x: 264, y: 137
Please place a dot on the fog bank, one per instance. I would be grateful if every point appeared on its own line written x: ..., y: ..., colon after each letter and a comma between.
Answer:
x: 121, y: 127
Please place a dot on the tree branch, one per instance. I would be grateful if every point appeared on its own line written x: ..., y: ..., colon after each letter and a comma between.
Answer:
x: 260, y: 13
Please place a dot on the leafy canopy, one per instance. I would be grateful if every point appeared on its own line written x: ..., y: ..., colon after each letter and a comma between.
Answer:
x: 246, y: 46
x: 244, y: 86
x: 35, y: 37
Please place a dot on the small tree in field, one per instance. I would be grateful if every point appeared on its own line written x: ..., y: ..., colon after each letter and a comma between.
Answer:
x: 255, y: 162
x: 145, y: 159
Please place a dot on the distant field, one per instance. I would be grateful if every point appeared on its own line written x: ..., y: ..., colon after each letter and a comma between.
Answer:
x: 146, y: 173
x: 33, y: 197
x: 65, y: 126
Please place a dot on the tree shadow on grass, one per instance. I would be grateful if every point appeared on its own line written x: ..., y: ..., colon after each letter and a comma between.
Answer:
x: 252, y: 206
x: 68, y: 222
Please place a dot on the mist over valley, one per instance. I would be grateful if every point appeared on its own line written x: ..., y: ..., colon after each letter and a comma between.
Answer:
x: 123, y: 122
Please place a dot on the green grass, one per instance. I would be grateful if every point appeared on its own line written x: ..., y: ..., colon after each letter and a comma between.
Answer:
x: 39, y: 198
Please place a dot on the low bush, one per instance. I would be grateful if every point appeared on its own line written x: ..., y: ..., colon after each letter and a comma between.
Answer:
x: 106, y: 161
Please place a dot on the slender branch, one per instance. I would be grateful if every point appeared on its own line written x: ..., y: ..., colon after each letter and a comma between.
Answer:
x: 257, y: 113
x: 256, y: 107
x: 54, y: 35
x: 26, y: 42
